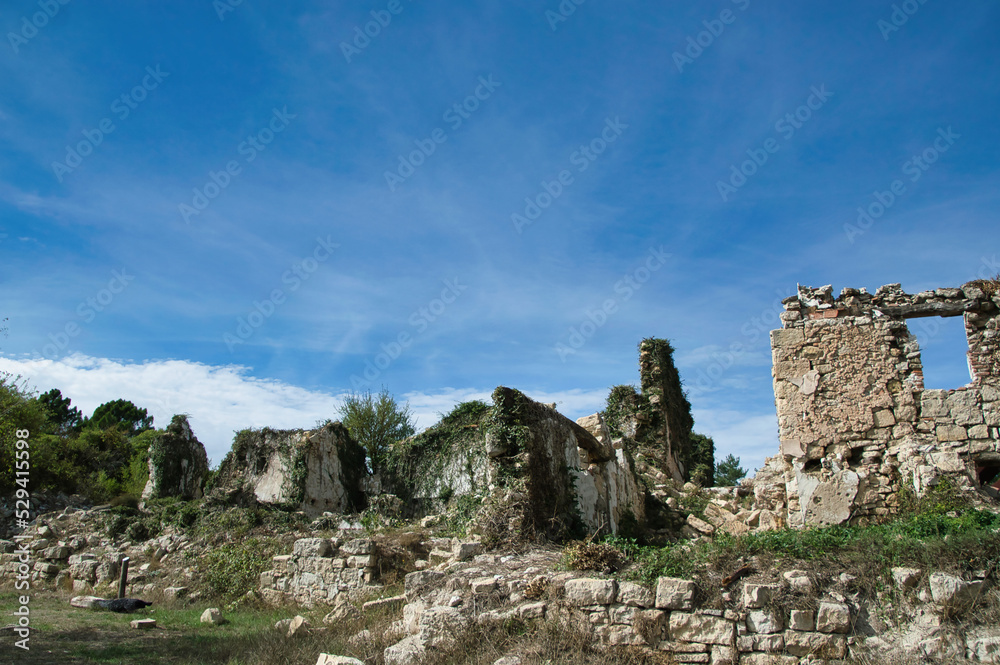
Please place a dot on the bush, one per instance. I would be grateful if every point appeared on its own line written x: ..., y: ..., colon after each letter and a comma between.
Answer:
x: 602, y: 557
x: 233, y: 570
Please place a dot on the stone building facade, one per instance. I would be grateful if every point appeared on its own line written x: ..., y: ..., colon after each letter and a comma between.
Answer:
x: 856, y: 425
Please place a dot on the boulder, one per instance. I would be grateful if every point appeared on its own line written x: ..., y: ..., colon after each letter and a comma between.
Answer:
x: 213, y: 615
x: 953, y: 592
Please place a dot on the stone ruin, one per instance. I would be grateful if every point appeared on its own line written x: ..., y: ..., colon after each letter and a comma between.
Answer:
x: 315, y: 471
x: 559, y: 473
x: 178, y: 463
x: 857, y: 429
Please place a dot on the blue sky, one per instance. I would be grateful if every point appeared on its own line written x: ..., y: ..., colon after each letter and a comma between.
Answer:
x: 231, y: 210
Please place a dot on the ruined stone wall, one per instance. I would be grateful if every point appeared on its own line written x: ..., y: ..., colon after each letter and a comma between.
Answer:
x: 656, y: 422
x: 178, y: 463
x: 315, y: 471
x: 855, y: 423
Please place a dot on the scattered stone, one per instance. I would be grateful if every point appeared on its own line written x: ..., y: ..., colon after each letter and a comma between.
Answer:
x: 906, y: 578
x: 213, y: 615
x: 143, y: 624
x: 953, y: 592
x: 328, y: 659
x: 299, y: 624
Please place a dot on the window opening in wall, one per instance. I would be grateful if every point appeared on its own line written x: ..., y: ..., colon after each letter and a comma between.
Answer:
x: 943, y: 351
x: 988, y: 473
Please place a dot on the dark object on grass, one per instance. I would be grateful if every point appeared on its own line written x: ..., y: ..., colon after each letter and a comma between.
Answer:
x: 125, y: 605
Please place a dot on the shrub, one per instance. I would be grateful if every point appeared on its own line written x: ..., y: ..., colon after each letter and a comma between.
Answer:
x: 602, y: 557
x: 233, y: 570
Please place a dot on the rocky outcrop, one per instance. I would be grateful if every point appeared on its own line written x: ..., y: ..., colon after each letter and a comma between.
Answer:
x: 178, y: 463
x: 315, y: 471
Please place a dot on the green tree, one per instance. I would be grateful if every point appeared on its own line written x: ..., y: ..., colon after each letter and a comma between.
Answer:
x: 61, y: 417
x: 19, y: 410
x: 701, y: 460
x: 729, y: 472
x: 122, y: 414
x: 376, y: 422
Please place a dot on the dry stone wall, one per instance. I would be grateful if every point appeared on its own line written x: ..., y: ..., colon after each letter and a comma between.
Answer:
x: 856, y: 425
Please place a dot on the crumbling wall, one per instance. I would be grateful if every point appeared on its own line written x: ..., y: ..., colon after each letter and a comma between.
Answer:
x: 315, y: 471
x: 569, y: 474
x: 178, y: 463
x: 656, y: 422
x: 559, y: 474
x: 856, y: 425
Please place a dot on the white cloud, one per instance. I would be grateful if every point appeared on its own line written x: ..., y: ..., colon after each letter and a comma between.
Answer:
x: 219, y: 400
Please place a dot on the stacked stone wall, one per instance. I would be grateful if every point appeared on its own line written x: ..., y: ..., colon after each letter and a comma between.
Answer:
x: 856, y: 425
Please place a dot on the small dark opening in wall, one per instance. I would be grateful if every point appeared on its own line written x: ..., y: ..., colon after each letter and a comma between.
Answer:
x: 988, y: 474
x: 944, y: 351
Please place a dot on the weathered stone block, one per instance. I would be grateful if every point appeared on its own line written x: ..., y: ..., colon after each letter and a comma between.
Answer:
x: 636, y: 595
x: 686, y: 627
x: 833, y: 618
x: 906, y: 578
x: 816, y: 645
x: 722, y: 655
x: 761, y: 621
x: 674, y: 594
x: 312, y: 547
x: 590, y: 592
x: 950, y: 433
x: 757, y: 595
x: 802, y: 620
x: 953, y: 592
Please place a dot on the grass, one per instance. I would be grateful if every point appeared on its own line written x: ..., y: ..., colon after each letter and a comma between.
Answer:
x: 952, y: 541
x: 68, y: 636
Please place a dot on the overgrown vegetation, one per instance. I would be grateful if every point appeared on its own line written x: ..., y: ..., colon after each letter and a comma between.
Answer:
x: 990, y: 287
x: 940, y: 531
x: 376, y: 422
x: 100, y: 457
x: 233, y: 570
x: 414, y: 466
